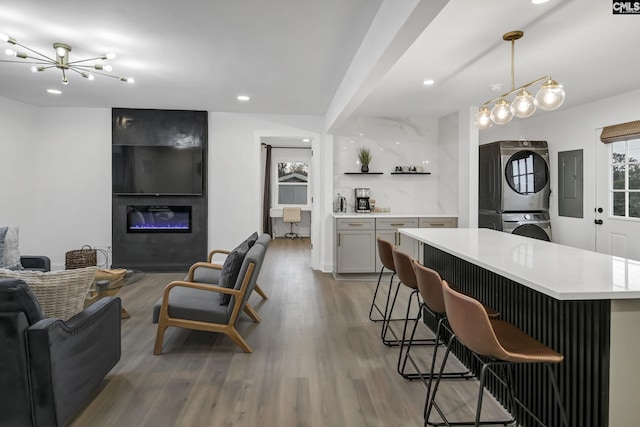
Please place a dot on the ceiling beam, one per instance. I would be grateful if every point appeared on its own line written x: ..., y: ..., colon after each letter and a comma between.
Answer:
x: 395, y: 27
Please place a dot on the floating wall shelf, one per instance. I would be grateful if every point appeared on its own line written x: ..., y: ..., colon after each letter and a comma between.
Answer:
x: 410, y: 173
x: 363, y: 173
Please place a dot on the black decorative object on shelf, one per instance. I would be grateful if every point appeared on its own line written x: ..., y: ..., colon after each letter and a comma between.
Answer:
x: 364, y: 168
x: 363, y: 173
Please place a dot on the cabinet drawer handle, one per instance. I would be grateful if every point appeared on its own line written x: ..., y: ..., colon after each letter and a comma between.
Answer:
x: 436, y: 224
x: 355, y: 223
x: 338, y: 239
x: 397, y: 225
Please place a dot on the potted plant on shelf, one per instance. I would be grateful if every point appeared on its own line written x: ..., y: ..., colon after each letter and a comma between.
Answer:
x: 364, y: 154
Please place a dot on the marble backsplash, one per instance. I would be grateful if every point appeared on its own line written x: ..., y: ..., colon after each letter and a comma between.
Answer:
x: 395, y: 142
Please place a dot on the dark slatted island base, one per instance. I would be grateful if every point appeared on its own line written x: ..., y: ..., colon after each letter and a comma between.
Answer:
x: 582, y: 304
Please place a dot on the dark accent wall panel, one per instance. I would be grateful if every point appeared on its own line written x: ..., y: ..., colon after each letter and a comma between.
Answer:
x: 577, y: 329
x: 160, y: 252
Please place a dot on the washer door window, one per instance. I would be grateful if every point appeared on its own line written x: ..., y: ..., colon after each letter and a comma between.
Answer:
x: 530, y: 230
x: 526, y: 172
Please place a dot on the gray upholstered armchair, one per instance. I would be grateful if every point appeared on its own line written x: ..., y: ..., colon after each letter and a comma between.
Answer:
x: 51, y: 368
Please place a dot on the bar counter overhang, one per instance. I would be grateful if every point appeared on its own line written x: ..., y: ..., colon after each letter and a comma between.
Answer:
x: 583, y: 304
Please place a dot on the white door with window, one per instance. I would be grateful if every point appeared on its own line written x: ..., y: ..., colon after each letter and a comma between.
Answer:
x: 617, y: 211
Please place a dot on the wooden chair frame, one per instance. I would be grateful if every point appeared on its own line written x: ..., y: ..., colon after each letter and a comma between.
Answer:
x: 228, y: 329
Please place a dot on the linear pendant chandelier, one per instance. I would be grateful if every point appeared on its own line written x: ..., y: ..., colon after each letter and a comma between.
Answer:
x: 550, y: 96
x: 41, y: 62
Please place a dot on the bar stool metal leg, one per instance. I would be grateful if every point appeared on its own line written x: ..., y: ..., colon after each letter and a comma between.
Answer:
x: 375, y: 294
x: 440, y: 339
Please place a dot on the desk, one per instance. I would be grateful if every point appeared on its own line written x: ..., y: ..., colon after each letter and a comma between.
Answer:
x: 280, y: 228
x: 583, y: 304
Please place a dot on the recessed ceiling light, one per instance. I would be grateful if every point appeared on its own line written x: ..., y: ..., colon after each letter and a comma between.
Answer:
x: 428, y: 82
x: 538, y: 1
x: 496, y: 87
x: 306, y: 140
x: 243, y: 98
x: 54, y: 91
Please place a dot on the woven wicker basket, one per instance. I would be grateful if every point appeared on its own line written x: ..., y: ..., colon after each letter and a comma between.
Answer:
x: 61, y: 294
x: 79, y: 258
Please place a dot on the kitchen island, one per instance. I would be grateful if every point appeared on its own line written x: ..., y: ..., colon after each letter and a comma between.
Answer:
x: 583, y: 304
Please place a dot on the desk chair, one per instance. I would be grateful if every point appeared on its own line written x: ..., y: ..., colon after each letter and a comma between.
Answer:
x: 292, y: 216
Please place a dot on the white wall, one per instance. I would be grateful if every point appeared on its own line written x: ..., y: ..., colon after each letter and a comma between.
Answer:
x: 394, y: 142
x: 572, y: 129
x: 236, y: 174
x: 18, y: 188
x: 448, y: 140
x: 63, y: 201
x: 55, y: 165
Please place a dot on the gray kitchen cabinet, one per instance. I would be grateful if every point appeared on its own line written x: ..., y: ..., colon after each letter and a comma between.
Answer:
x: 442, y: 222
x: 387, y: 228
x: 355, y: 245
x: 356, y: 249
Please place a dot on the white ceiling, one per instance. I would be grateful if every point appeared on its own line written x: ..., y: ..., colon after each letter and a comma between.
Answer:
x: 290, y: 56
x: 580, y: 43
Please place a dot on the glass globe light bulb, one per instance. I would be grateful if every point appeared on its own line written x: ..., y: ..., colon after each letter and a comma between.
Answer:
x: 110, y: 55
x: 523, y: 105
x: 501, y: 113
x: 483, y: 120
x: 108, y: 68
x: 550, y: 96
x: 61, y: 52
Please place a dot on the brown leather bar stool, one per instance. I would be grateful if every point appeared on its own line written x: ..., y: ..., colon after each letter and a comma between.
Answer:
x: 495, y: 343
x: 386, y: 258
x: 430, y: 288
x: 404, y: 269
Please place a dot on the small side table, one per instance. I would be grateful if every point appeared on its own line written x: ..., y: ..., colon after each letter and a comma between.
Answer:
x: 109, y: 282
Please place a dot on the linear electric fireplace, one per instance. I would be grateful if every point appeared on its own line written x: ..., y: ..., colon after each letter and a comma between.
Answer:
x: 158, y: 219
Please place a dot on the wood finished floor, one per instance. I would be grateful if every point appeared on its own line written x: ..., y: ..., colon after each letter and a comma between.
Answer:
x: 317, y: 361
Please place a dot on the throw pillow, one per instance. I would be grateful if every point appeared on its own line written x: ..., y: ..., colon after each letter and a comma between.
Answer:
x: 231, y: 270
x: 251, y: 240
x: 11, y: 250
x: 61, y: 294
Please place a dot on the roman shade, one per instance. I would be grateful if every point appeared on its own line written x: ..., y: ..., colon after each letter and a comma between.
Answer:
x: 620, y: 132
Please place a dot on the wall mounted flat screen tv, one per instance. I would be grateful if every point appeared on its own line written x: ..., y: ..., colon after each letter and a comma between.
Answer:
x: 157, y: 170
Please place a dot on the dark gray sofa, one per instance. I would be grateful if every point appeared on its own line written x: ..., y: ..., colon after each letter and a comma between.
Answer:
x: 51, y: 368
x: 35, y: 262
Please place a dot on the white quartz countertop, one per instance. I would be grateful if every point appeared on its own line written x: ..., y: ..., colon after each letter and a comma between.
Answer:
x: 559, y: 271
x: 390, y: 215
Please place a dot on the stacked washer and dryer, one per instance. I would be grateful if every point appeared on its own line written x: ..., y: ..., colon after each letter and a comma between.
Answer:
x: 514, y: 188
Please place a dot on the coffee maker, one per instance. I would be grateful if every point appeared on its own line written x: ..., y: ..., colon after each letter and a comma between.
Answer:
x: 362, y: 200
